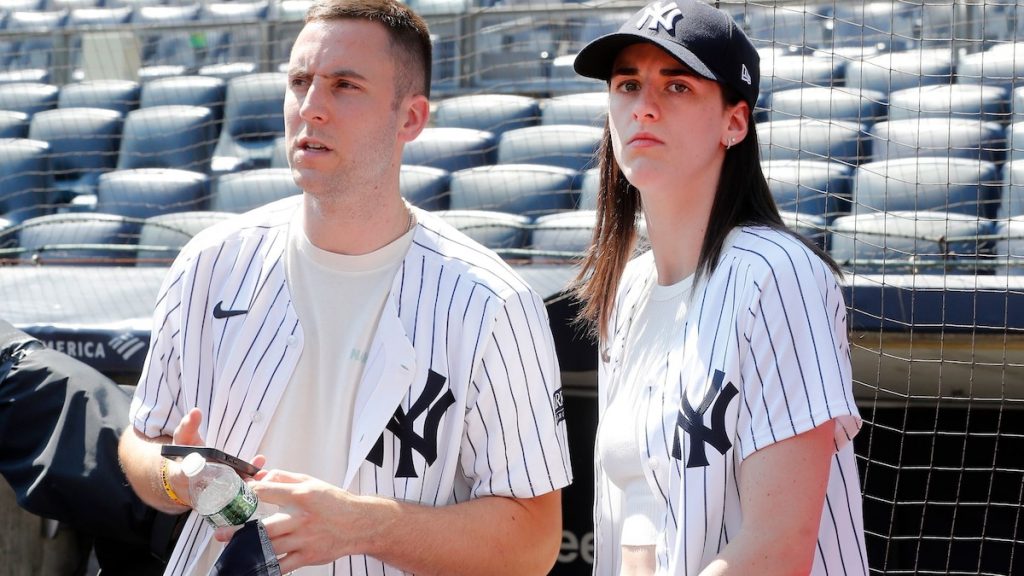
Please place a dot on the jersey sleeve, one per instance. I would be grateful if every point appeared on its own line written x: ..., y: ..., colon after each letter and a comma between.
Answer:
x: 515, y: 442
x: 795, y: 366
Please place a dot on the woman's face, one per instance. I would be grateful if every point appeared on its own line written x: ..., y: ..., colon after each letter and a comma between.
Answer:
x: 669, y: 126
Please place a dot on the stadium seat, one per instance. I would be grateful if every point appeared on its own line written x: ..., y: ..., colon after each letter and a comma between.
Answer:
x: 1017, y: 104
x: 1009, y: 246
x: 242, y: 191
x: 234, y: 48
x: 810, y: 226
x: 565, y: 145
x: 28, y: 97
x: 954, y: 185
x: 119, y: 95
x: 809, y: 186
x: 79, y: 239
x: 945, y: 137
x: 889, y: 25
x: 186, y: 91
x: 163, y: 236
x: 166, y: 51
x: 13, y: 124
x: 785, y: 72
x: 894, y: 71
x: 565, y: 81
x: 783, y: 26
x: 903, y: 242
x: 84, y: 143
x: 451, y: 149
x: 563, y: 236
x: 507, y: 234
x: 590, y: 183
x: 168, y: 137
x: 586, y: 109
x: 1015, y: 141
x: 1001, y: 66
x: 495, y: 113
x: 145, y: 192
x: 32, y: 55
x: 1012, y: 203
x: 425, y: 187
x: 279, y: 155
x: 527, y: 189
x: 253, y: 119
x: 961, y: 101
x: 809, y: 139
x: 829, y: 103
x: 24, y: 167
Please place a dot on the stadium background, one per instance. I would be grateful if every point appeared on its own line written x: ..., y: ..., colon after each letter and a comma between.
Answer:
x: 888, y: 134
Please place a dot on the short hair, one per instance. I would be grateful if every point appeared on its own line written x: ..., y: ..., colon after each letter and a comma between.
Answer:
x: 410, y: 37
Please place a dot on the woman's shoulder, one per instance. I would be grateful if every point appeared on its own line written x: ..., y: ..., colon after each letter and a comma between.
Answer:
x: 767, y: 252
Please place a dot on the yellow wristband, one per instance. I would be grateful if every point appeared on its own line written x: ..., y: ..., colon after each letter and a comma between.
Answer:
x: 167, y: 485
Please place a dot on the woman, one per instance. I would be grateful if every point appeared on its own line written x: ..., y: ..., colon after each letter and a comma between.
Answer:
x: 724, y: 445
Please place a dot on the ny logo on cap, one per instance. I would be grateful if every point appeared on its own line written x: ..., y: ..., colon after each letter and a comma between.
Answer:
x: 657, y: 15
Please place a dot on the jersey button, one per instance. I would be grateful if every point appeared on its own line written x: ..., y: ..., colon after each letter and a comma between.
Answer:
x: 256, y: 416
x: 291, y: 340
x: 652, y: 463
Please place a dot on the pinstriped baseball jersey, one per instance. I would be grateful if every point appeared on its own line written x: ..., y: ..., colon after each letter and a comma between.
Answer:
x: 761, y: 355
x: 457, y: 400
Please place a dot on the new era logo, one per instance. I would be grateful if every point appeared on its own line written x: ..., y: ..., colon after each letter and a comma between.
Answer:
x: 657, y: 14
x: 745, y: 74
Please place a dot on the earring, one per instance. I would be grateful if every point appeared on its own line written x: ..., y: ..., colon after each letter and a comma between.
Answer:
x: 731, y: 142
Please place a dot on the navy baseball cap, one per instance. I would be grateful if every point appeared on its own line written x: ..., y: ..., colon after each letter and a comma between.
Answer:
x: 697, y: 34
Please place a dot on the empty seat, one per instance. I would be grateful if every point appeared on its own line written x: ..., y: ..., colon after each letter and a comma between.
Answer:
x: 946, y: 137
x: 166, y: 51
x: 495, y: 113
x: 79, y: 239
x: 955, y: 185
x: 168, y: 137
x: 253, y: 119
x: 891, y: 25
x: 237, y: 43
x: 84, y: 143
x: 1013, y: 190
x: 1015, y: 141
x: 528, y: 189
x: 1009, y: 246
x: 13, y: 124
x: 809, y: 139
x: 810, y: 226
x: 279, y: 155
x: 119, y: 95
x: 784, y: 26
x: 829, y: 103
x: 28, y: 97
x: 903, y: 242
x: 23, y: 179
x: 163, y: 236
x: 186, y: 91
x: 1001, y: 66
x: 784, y: 71
x: 563, y: 236
x: 34, y: 50
x: 590, y: 184
x: 962, y: 101
x: 565, y: 80
x: 425, y: 187
x: 146, y: 192
x: 451, y: 149
x: 242, y: 191
x: 894, y: 71
x: 507, y: 234
x: 809, y: 186
x: 564, y: 145
x: 587, y: 109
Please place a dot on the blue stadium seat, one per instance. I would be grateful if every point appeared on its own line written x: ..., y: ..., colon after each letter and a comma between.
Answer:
x: 1009, y: 246
x: 903, y: 242
x: 32, y: 54
x: 945, y: 137
x: 163, y: 236
x: 168, y: 137
x: 13, y: 124
x: 119, y: 95
x: 563, y: 236
x: 84, y: 143
x: 242, y: 191
x: 279, y: 155
x: 963, y: 101
x: 528, y: 189
x: 809, y: 139
x: 72, y: 5
x: 787, y: 71
x: 451, y: 149
x: 809, y: 186
x: 1017, y: 104
x: 253, y: 119
x: 425, y: 187
x: 235, y: 49
x: 564, y: 80
x: 1013, y: 191
x: 590, y: 183
x: 186, y: 91
x: 783, y: 26
x: 146, y: 192
x: 566, y: 145
x: 829, y: 103
x: 810, y: 226
x: 24, y: 167
x: 1000, y: 66
x: 507, y: 234
x: 28, y: 97
x: 79, y: 239
x: 1015, y: 141
x: 166, y: 51
x: 586, y: 109
x: 495, y: 113
x: 954, y: 185
x: 889, y: 25
x: 894, y: 71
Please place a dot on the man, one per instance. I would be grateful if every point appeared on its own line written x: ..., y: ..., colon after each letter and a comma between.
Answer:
x: 400, y: 379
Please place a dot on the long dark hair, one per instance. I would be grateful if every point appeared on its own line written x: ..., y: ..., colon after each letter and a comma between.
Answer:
x: 742, y: 198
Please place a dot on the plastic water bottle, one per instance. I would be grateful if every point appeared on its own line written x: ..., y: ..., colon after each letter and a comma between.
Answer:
x: 218, y: 492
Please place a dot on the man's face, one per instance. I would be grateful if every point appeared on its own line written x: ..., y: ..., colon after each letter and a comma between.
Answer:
x: 341, y: 121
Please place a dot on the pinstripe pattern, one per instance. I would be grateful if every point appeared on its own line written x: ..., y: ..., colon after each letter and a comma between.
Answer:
x: 772, y: 320
x: 454, y: 308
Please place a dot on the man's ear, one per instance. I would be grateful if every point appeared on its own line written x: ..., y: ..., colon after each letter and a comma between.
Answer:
x: 737, y: 120
x: 416, y: 115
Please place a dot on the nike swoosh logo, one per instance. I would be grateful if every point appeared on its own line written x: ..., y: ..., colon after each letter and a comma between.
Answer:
x: 219, y: 312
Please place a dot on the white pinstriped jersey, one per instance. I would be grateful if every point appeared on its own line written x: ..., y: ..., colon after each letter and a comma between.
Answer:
x: 761, y: 356
x: 462, y: 360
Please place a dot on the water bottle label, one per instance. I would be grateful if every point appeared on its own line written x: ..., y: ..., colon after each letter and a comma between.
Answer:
x: 237, y: 511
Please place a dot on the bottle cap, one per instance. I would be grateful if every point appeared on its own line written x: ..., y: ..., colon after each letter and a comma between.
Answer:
x: 193, y: 464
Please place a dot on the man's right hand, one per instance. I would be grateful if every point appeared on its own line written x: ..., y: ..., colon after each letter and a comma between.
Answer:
x: 185, y: 434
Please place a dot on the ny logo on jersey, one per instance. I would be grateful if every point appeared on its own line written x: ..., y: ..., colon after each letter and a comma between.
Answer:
x: 692, y: 422
x: 402, y: 425
x: 657, y: 15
